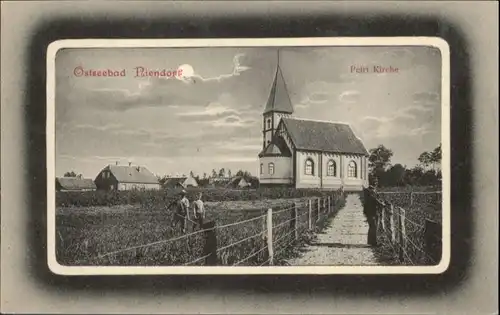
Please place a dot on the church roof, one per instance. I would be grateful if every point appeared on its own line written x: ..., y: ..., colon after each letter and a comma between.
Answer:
x: 323, y: 136
x: 277, y: 147
x: 279, y: 100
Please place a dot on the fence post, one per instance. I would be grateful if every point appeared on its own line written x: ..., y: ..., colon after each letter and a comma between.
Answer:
x: 319, y: 209
x: 329, y: 205
x: 433, y: 243
x: 402, y: 234
x: 210, y: 247
x: 392, y: 225
x: 269, y: 222
x: 382, y: 214
x: 310, y: 215
x: 296, y: 221
x: 411, y: 198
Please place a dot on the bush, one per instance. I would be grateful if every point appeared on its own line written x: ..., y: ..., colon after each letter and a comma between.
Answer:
x: 149, y: 198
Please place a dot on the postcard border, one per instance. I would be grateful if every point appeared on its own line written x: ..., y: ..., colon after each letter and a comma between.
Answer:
x: 436, y: 42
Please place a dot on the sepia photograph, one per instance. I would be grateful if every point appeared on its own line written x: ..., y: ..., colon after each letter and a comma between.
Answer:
x: 248, y: 156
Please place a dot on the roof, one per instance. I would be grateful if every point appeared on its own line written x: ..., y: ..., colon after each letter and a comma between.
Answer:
x: 175, y: 181
x: 238, y: 181
x: 132, y: 174
x: 279, y: 100
x: 277, y: 147
x: 323, y: 136
x: 75, y: 183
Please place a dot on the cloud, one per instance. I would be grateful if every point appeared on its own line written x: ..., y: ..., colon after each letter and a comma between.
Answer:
x: 237, y: 69
x: 400, y: 124
x: 426, y: 98
x: 349, y: 97
x: 165, y: 92
x: 107, y: 127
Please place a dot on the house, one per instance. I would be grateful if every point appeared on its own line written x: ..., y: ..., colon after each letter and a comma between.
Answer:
x: 190, y: 182
x: 75, y: 184
x: 121, y: 177
x: 181, y: 182
x: 238, y: 182
x: 175, y: 182
x: 305, y: 153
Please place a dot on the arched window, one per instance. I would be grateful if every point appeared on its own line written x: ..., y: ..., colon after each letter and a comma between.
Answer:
x: 261, y: 168
x: 352, y: 170
x: 331, y: 168
x: 268, y: 141
x: 269, y: 124
x: 309, y: 169
x: 271, y: 168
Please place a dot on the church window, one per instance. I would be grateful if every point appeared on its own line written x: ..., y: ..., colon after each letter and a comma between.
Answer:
x: 331, y: 169
x: 268, y: 141
x: 269, y: 124
x: 271, y: 168
x: 309, y: 167
x: 261, y: 168
x: 352, y: 170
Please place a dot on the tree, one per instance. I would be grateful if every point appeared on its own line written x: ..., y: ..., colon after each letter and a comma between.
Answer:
x: 222, y: 172
x: 70, y: 174
x: 191, y: 174
x: 435, y: 156
x: 240, y: 173
x: 204, y: 175
x: 395, y: 176
x: 380, y: 157
x: 379, y: 160
x: 214, y: 173
x: 425, y: 159
x: 229, y: 173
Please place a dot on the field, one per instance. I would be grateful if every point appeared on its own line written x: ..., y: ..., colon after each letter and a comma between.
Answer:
x: 112, y: 229
x: 420, y: 204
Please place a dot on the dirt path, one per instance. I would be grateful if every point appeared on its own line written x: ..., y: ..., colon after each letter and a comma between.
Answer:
x: 343, y: 242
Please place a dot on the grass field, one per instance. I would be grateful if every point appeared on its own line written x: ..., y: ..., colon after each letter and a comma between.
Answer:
x: 87, y: 234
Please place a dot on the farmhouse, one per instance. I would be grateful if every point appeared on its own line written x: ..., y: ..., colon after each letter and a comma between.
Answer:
x: 238, y: 182
x: 75, y: 184
x: 181, y: 182
x: 304, y: 153
x: 118, y: 177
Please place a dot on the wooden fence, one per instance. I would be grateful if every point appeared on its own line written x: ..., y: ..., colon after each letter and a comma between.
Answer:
x: 412, y: 241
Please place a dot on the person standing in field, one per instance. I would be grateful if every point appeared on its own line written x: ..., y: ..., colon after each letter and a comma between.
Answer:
x: 370, y: 210
x: 181, y: 214
x: 199, y: 210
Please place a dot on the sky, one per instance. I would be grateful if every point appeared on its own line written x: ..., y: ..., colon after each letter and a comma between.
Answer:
x: 211, y: 116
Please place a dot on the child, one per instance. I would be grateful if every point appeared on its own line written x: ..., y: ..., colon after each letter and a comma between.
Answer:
x: 199, y: 210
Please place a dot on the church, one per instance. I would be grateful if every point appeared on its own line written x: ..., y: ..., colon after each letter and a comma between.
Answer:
x: 304, y: 153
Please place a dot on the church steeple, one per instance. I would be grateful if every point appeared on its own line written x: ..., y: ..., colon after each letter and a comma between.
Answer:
x: 278, y: 105
x: 279, y: 100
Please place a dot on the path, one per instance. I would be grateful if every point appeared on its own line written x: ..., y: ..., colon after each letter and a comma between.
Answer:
x: 343, y: 242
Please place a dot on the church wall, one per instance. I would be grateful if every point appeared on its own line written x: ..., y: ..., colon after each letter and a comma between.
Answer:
x: 282, y: 170
x: 354, y: 182
x: 327, y: 180
x: 320, y: 179
x: 303, y: 180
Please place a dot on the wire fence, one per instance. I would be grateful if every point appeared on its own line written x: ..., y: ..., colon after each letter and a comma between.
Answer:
x: 414, y: 196
x: 412, y: 240
x: 263, y: 239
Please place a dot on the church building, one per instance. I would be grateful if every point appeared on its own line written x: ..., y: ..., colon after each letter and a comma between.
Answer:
x: 304, y: 153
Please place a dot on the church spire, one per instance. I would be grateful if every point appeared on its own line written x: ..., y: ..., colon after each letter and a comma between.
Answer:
x: 279, y: 100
